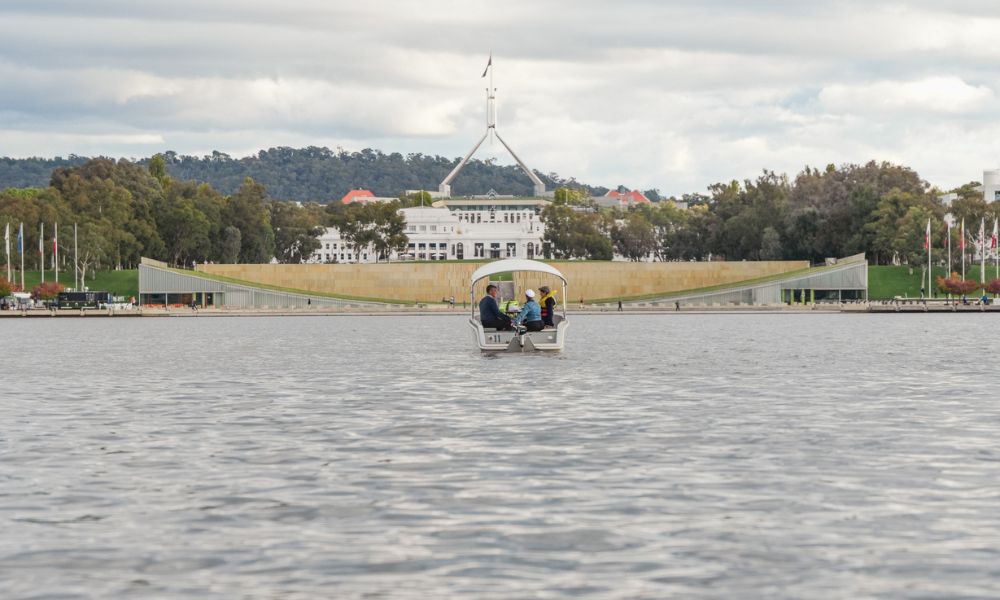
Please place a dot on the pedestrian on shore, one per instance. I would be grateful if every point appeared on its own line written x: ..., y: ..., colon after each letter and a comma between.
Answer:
x: 619, y: 306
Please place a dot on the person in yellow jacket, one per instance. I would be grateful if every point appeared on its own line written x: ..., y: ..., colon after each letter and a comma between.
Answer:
x: 548, y: 304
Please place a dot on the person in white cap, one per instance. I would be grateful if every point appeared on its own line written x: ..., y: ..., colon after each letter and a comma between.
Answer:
x: 531, y: 314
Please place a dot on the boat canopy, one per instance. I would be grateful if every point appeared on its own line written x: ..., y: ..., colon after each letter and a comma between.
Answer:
x: 515, y: 264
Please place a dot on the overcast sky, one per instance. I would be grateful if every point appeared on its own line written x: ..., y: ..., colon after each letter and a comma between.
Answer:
x: 674, y: 95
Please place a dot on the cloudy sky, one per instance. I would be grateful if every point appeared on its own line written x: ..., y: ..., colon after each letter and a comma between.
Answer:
x: 674, y: 95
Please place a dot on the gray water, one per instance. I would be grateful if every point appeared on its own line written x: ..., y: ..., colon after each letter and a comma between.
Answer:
x: 695, y: 456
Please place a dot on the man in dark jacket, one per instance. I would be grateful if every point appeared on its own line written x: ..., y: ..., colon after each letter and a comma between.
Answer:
x: 489, y: 311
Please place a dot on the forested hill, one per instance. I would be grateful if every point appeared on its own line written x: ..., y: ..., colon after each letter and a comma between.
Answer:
x: 312, y: 174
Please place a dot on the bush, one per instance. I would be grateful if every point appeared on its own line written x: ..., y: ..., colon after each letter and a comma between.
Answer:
x: 47, y: 291
x: 956, y: 286
x: 7, y: 288
x: 993, y: 287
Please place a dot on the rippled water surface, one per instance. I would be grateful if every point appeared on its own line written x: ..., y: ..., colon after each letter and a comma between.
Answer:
x: 723, y: 456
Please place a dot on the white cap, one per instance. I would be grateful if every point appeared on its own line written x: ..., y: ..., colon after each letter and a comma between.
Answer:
x: 530, y: 293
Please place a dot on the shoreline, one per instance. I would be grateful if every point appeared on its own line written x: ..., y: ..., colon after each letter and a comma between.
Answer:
x: 877, y: 307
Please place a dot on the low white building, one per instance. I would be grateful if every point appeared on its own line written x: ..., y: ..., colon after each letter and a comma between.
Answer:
x: 456, y: 229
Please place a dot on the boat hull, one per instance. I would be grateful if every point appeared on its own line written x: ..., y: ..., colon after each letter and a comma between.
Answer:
x: 547, y: 340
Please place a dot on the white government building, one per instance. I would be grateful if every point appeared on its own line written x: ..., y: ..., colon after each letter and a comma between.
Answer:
x: 455, y: 229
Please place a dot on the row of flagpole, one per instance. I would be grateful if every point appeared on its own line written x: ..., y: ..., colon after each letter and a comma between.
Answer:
x: 41, y: 253
x: 961, y: 247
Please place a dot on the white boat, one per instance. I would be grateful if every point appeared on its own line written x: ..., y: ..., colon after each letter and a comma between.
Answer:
x: 491, y: 340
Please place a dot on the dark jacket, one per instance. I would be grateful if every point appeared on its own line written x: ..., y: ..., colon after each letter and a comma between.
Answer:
x: 489, y: 311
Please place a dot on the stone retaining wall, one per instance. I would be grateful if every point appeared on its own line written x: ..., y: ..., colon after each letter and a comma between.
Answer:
x: 432, y: 281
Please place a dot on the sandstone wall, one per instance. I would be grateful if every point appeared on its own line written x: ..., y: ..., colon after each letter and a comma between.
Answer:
x: 432, y: 281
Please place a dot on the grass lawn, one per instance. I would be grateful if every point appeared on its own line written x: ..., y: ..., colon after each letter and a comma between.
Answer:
x: 120, y: 283
x: 887, y: 282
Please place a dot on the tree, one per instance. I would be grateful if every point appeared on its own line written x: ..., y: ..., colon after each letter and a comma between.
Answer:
x: 231, y: 243
x: 770, y: 248
x: 95, y: 245
x: 247, y: 210
x: 158, y: 169
x: 633, y: 238
x: 574, y: 234
x: 421, y: 198
x: 296, y: 232
x: 572, y: 197
x: 376, y: 225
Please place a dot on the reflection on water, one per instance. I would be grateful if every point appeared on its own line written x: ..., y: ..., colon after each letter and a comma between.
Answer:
x: 821, y: 456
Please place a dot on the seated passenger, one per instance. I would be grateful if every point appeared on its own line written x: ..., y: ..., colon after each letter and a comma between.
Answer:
x: 531, y: 314
x: 489, y: 311
x: 548, y: 305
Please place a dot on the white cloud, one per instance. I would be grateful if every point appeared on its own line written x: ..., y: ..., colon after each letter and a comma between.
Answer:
x: 929, y: 95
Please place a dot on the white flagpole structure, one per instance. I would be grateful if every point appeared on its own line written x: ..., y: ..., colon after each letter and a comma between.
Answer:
x: 6, y: 241
x: 961, y: 247
x: 928, y: 245
x: 76, y: 262
x: 41, y: 249
x: 20, y: 248
x: 982, y: 250
x: 996, y: 251
x: 55, y: 250
x: 948, y: 274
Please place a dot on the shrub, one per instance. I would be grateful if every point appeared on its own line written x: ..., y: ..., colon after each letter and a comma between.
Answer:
x: 993, y: 287
x: 956, y: 286
x: 8, y: 287
x: 47, y: 291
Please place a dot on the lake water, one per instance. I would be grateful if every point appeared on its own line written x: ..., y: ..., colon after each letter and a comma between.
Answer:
x: 695, y: 456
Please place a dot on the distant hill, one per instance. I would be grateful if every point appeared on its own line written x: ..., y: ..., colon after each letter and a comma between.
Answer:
x: 33, y: 172
x: 314, y: 174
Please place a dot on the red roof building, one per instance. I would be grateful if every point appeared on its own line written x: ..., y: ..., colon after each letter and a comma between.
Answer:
x: 357, y: 196
x: 632, y: 198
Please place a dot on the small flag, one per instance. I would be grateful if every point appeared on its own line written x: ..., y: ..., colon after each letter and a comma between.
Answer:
x: 489, y: 63
x: 20, y: 239
x: 41, y: 239
x: 993, y: 240
x: 927, y: 236
x: 961, y: 238
x: 55, y: 240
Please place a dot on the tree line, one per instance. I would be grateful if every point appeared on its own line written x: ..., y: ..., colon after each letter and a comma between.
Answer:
x: 314, y: 174
x: 126, y: 210
x: 878, y: 208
